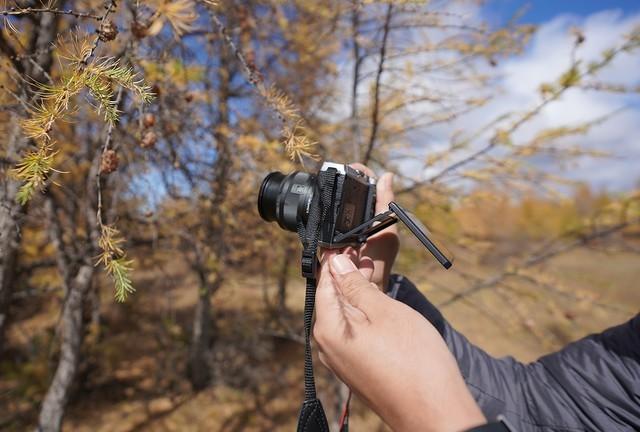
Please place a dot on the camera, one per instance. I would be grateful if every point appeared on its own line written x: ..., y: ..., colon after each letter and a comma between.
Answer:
x: 286, y: 199
x: 347, y: 199
x: 333, y: 208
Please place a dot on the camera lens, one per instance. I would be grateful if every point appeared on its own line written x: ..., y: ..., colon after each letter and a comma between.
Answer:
x: 286, y: 199
x: 268, y: 196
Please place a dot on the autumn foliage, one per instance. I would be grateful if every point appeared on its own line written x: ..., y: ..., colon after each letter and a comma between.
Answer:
x: 137, y: 135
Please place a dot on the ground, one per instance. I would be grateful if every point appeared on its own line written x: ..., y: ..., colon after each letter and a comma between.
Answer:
x: 133, y: 375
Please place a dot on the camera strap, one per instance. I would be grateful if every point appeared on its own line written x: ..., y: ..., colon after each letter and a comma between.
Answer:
x: 312, y: 417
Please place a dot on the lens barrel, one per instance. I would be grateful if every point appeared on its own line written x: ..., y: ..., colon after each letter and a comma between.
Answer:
x: 268, y: 195
x: 286, y: 199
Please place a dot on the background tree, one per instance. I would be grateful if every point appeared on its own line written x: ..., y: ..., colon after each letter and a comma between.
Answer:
x: 137, y: 135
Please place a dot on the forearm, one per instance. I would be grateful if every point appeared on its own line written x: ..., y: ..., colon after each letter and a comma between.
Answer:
x: 493, y: 382
x: 592, y: 384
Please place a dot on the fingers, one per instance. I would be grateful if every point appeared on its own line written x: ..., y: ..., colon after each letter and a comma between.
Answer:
x: 364, y: 264
x: 366, y: 267
x: 325, y: 253
x: 354, y: 286
x: 352, y: 253
x: 336, y: 319
x: 384, y: 187
x: 384, y: 192
x: 365, y: 169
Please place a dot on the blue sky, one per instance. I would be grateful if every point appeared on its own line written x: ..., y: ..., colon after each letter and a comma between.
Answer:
x: 599, y: 19
x: 540, y: 11
x: 547, y: 56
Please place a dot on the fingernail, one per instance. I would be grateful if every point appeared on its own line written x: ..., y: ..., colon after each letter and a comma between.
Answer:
x: 342, y: 264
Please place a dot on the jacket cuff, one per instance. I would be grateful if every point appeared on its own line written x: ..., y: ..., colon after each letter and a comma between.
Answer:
x: 403, y: 290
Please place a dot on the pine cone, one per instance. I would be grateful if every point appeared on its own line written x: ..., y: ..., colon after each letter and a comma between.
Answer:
x: 579, y: 35
x: 148, y: 120
x: 149, y: 139
x: 169, y: 128
x: 108, y: 31
x: 139, y: 29
x: 109, y: 162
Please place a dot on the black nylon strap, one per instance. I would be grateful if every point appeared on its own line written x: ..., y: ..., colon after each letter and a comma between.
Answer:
x: 309, y: 300
x: 312, y: 417
x: 309, y: 235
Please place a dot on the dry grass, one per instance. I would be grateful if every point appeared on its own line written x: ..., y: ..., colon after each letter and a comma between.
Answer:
x: 133, y: 376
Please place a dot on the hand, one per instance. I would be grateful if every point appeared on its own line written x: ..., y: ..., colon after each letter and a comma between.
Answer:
x: 388, y: 354
x: 380, y: 249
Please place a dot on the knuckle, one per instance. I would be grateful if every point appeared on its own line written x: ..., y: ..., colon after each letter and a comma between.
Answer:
x: 352, y: 282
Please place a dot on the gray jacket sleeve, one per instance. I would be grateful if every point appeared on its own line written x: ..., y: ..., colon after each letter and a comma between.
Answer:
x: 592, y: 384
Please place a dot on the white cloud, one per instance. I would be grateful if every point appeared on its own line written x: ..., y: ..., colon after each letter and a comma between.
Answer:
x: 548, y: 57
x: 544, y: 60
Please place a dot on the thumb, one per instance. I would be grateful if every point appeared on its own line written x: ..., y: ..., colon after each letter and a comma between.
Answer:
x: 355, y: 288
x: 327, y: 296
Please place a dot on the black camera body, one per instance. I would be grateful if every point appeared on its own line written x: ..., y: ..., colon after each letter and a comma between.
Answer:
x: 353, y: 205
x: 351, y: 197
x: 334, y: 208
x: 347, y: 199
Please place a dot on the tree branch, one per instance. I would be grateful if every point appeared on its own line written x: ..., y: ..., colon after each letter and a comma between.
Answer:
x: 29, y: 11
x: 537, y: 259
x: 376, y: 93
x: 357, y: 62
x: 11, y: 54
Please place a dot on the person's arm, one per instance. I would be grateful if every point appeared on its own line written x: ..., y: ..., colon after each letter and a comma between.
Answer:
x: 378, y: 346
x: 592, y: 384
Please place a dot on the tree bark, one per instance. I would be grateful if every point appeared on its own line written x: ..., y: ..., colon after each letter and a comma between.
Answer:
x: 199, y: 366
x: 357, y: 63
x: 11, y: 218
x: 53, y: 405
x: 77, y: 281
x: 283, y: 278
x: 199, y: 371
x: 375, y: 116
x: 10, y: 222
x: 11, y: 213
x: 44, y: 36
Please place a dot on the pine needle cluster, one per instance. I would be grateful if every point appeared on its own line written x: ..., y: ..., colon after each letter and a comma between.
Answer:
x: 115, y: 261
x: 295, y: 134
x: 98, y: 79
x: 180, y: 14
x: 34, y: 171
x: 297, y: 143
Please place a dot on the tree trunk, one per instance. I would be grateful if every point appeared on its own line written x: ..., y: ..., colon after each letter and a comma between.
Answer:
x: 199, y: 371
x: 199, y: 366
x: 10, y: 221
x: 96, y: 317
x: 11, y: 218
x: 77, y: 281
x: 11, y: 213
x: 55, y: 400
x: 283, y: 278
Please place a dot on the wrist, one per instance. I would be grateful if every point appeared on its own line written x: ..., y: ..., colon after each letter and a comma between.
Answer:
x: 452, y: 411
